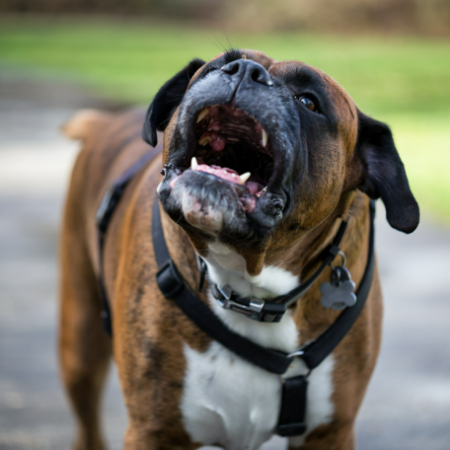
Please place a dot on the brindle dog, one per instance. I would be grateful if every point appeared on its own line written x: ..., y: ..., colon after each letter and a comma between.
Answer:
x: 262, y: 161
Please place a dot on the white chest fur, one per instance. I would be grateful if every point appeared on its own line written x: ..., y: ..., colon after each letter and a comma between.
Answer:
x: 231, y: 402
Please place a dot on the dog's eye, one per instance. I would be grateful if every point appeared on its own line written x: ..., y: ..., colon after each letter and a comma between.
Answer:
x: 306, y: 101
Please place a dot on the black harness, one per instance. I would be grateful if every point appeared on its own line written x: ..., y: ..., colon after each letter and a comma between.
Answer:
x: 291, y: 420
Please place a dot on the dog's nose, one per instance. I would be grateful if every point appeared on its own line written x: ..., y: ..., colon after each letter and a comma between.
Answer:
x: 247, y: 70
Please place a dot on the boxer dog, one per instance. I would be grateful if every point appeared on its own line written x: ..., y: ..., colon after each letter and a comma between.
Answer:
x: 261, y: 162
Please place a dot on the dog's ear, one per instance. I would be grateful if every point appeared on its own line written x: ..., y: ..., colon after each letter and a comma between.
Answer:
x: 384, y: 174
x: 166, y: 101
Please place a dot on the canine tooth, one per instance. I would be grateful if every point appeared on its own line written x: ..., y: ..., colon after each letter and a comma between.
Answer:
x: 264, y: 137
x: 203, y: 113
x: 244, y: 177
x: 205, y: 140
x: 262, y: 191
x: 194, y: 162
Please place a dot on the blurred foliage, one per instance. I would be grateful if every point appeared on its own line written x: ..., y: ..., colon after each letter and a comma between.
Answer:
x: 130, y: 60
x: 399, y: 16
x: 392, y: 16
x: 169, y: 8
x: 403, y: 81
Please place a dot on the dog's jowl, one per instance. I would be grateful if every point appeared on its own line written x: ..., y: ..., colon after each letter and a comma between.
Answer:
x: 264, y: 175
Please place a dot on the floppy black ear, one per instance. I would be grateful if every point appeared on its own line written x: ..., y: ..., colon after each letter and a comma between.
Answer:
x: 385, y: 174
x: 166, y: 101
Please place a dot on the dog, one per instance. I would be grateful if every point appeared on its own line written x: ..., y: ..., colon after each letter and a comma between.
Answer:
x: 262, y: 162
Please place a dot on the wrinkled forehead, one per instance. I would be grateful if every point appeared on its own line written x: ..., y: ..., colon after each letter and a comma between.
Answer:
x: 297, y: 73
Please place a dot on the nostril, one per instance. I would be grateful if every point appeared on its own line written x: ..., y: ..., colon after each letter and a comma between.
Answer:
x: 259, y: 75
x: 231, y: 68
x: 248, y: 69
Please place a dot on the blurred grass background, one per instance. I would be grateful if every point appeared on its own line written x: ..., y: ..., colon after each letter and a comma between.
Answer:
x: 401, y: 79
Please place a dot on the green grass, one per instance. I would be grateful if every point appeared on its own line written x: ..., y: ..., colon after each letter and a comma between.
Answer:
x: 404, y: 81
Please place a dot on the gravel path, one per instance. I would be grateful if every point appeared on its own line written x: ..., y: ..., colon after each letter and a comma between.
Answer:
x: 407, y: 406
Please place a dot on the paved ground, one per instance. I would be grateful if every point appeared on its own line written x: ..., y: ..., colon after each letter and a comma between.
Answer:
x: 408, y: 403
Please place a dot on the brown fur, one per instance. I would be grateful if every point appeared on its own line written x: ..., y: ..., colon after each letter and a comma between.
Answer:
x: 149, y: 331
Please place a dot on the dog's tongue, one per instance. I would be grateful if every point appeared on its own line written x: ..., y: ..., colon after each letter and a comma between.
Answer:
x: 220, y: 172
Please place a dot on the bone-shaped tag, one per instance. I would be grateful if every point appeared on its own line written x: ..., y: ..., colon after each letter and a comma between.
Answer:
x: 339, y: 293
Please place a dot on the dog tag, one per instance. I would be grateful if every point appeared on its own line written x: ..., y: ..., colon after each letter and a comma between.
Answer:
x: 339, y: 293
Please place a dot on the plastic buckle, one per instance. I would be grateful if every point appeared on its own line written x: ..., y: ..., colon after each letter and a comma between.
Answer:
x: 223, y: 295
x: 169, y: 280
x: 256, y: 308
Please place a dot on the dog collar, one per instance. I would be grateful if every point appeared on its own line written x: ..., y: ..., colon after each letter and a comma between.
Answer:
x: 273, y: 310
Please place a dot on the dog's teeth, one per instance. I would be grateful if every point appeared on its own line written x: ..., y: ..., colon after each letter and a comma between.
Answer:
x: 262, y: 191
x: 194, y: 163
x: 203, y: 113
x: 264, y: 137
x: 244, y: 177
x: 205, y: 140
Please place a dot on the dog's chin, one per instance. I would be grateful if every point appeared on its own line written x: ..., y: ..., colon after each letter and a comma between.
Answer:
x: 207, y: 203
x: 217, y: 206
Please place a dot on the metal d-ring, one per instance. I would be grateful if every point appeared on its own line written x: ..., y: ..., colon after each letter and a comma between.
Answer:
x: 299, y: 353
x: 344, y: 259
x: 296, y: 353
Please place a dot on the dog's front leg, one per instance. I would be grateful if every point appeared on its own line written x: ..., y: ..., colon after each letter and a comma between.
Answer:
x: 152, y: 394
x: 339, y: 435
x: 149, y: 354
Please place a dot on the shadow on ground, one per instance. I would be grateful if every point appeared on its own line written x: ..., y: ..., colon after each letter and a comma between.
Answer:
x: 407, y: 406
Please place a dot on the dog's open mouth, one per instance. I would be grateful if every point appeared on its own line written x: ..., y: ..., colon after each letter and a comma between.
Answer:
x: 233, y: 146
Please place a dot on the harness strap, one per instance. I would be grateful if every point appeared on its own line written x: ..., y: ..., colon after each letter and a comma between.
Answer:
x: 173, y: 287
x: 293, y: 402
x: 292, y: 415
x: 316, y: 351
x: 104, y: 214
x: 313, y: 354
x: 327, y: 257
